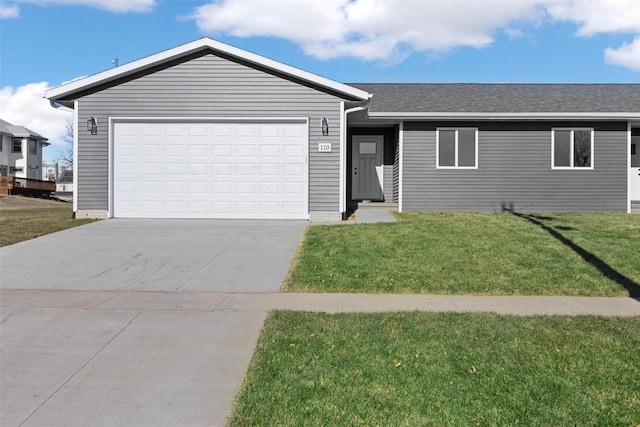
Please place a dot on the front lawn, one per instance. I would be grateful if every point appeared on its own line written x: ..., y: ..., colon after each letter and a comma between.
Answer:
x: 474, y: 253
x: 17, y: 225
x: 444, y: 369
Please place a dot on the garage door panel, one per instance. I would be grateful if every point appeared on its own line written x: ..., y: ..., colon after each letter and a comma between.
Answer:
x: 198, y: 207
x: 152, y: 187
x: 293, y: 131
x: 269, y: 169
x: 198, y: 130
x: 198, y: 150
x: 197, y: 169
x: 173, y: 149
x: 150, y: 149
x: 149, y: 206
x: 149, y: 168
x: 127, y: 168
x: 269, y: 188
x: 293, y: 170
x: 245, y: 131
x: 243, y: 150
x: 210, y: 170
x: 198, y: 188
x: 221, y: 150
x: 173, y: 169
x: 221, y: 169
x: 269, y: 131
x: 244, y: 188
x: 246, y: 169
x: 170, y: 208
x: 176, y: 187
x: 271, y: 151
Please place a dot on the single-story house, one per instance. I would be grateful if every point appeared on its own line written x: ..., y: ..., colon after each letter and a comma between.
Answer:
x: 206, y: 130
x: 20, y: 151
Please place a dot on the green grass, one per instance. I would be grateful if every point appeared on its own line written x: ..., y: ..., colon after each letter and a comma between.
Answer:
x: 458, y: 253
x: 444, y: 369
x: 17, y: 225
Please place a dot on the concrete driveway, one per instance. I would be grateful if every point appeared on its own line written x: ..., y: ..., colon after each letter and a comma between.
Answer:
x: 146, y: 255
x: 147, y: 362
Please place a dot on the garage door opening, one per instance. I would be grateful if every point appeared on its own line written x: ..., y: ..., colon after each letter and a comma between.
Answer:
x: 216, y: 169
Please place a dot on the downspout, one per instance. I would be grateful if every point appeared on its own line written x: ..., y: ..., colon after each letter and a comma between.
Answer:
x: 74, y: 110
x: 343, y: 157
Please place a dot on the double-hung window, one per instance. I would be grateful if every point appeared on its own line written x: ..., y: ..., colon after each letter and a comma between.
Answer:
x: 17, y: 145
x: 572, y: 148
x: 33, y: 147
x: 457, y: 148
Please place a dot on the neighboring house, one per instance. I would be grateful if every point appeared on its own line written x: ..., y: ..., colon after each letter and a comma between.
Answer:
x: 20, y: 151
x: 206, y: 130
x: 64, y: 185
x: 50, y: 171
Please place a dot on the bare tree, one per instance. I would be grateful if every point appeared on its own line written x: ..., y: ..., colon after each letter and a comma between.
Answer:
x: 65, y: 154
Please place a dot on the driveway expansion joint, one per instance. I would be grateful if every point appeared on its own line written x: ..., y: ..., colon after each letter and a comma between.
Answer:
x: 80, y: 369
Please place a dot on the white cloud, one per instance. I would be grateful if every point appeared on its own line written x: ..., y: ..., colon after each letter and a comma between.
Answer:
x: 9, y: 11
x: 597, y: 16
x: 117, y: 6
x: 627, y: 55
x: 389, y: 30
x: 368, y: 29
x: 25, y: 106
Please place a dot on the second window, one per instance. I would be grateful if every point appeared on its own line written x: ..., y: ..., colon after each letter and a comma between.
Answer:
x: 457, y: 148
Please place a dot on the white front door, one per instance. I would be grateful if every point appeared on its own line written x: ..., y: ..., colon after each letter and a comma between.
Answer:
x: 634, y: 171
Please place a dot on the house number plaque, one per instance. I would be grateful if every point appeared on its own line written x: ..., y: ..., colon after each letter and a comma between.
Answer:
x: 324, y: 147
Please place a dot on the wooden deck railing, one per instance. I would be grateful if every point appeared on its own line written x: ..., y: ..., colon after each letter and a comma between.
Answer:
x: 26, y: 186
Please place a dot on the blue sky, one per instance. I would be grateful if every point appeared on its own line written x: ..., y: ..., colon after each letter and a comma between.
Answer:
x: 46, y: 42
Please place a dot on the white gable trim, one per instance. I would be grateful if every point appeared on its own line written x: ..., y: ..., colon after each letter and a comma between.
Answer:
x: 192, y: 47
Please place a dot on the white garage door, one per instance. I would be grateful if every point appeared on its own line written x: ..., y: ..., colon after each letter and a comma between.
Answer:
x: 210, y: 170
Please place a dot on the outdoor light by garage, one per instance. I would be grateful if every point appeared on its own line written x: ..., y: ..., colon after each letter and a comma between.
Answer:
x: 92, y: 125
x: 325, y: 126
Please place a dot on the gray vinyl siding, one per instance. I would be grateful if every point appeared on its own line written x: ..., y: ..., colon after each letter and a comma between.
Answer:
x: 514, y: 168
x: 209, y: 86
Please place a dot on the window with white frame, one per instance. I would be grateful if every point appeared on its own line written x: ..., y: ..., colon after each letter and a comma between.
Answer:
x: 33, y: 147
x: 457, y: 148
x: 17, y: 145
x: 572, y: 148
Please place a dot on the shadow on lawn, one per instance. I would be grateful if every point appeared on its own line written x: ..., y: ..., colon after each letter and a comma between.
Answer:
x: 630, y: 285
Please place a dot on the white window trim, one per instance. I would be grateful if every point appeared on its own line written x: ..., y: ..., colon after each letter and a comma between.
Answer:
x: 456, y: 129
x: 571, y: 157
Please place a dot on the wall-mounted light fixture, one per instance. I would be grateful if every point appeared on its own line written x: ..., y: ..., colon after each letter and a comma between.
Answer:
x: 92, y: 125
x: 325, y: 126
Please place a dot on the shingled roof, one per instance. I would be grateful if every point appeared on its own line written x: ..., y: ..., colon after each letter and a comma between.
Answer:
x: 19, y: 131
x: 502, y: 98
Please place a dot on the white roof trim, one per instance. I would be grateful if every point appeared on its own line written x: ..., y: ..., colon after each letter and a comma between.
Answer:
x: 194, y: 46
x: 504, y: 116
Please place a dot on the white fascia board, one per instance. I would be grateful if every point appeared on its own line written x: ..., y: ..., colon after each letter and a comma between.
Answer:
x: 194, y: 46
x: 504, y: 116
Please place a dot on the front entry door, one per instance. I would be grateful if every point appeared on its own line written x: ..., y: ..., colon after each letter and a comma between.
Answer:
x: 634, y: 171
x: 366, y: 167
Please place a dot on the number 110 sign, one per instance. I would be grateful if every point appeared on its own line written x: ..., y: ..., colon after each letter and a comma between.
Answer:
x: 324, y: 147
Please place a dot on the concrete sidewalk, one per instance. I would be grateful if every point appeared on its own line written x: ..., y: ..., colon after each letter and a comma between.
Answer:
x: 145, y: 301
x: 165, y: 358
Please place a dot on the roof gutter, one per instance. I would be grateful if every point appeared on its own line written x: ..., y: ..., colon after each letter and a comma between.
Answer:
x: 57, y: 105
x: 502, y: 116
